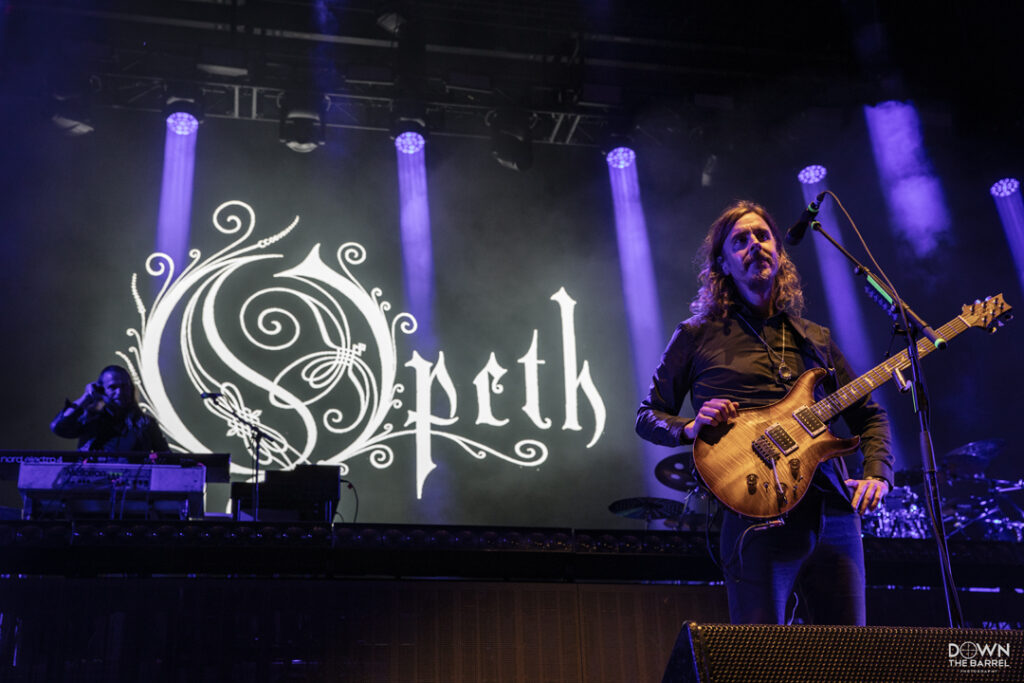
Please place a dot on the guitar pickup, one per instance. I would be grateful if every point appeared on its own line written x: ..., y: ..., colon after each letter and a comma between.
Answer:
x: 809, y: 421
x: 781, y: 438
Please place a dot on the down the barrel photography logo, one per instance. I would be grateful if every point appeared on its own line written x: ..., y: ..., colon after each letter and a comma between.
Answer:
x: 979, y: 657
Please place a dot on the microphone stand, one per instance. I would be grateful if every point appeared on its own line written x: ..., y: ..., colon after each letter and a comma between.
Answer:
x: 257, y: 436
x: 899, y: 310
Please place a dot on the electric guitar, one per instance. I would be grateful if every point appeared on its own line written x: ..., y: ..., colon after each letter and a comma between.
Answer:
x: 761, y: 464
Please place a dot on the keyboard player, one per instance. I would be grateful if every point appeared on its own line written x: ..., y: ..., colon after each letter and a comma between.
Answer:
x: 107, y: 417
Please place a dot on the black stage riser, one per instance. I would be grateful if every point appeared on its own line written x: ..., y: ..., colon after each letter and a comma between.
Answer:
x: 214, y: 548
x: 235, y: 629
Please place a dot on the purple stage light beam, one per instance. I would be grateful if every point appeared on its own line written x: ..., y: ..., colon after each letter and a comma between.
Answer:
x: 846, y: 316
x: 1010, y: 206
x: 638, y: 286
x: 837, y: 279
x: 173, y: 219
x: 913, y: 193
x: 643, y: 311
x: 417, y: 249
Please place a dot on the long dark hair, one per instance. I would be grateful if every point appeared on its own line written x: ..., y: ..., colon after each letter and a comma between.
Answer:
x: 718, y: 294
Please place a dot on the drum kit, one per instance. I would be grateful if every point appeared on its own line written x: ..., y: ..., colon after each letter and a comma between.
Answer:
x: 690, y: 514
x: 975, y: 506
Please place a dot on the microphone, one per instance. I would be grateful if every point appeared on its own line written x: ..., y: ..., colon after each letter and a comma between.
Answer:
x: 796, y: 233
x: 210, y: 394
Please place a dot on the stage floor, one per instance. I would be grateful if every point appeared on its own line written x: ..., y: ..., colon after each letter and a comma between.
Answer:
x: 226, y: 601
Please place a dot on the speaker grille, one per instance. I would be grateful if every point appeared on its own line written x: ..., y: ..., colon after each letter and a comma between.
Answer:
x: 794, y: 654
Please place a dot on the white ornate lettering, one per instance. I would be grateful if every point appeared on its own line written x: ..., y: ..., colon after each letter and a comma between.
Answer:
x: 488, y: 381
x: 531, y: 378
x: 313, y: 360
x: 421, y: 416
x: 573, y: 382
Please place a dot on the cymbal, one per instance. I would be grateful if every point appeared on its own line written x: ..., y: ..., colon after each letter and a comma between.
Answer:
x: 674, y: 472
x: 956, y: 490
x: 976, y: 483
x: 973, y: 458
x: 647, y: 508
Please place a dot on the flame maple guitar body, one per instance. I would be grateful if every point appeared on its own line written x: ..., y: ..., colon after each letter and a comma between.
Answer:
x: 735, y: 460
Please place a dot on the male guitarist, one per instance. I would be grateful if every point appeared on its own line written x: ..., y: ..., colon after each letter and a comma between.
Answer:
x: 744, y: 347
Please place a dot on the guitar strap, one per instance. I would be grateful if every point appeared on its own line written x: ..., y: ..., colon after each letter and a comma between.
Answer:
x: 834, y: 471
x: 822, y: 354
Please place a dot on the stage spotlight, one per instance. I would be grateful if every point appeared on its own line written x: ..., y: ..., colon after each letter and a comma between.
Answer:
x: 636, y: 267
x: 617, y: 145
x: 183, y: 111
x: 409, y: 142
x: 182, y: 123
x: 1005, y: 187
x: 183, y: 108
x: 414, y: 219
x: 621, y: 157
x: 812, y: 174
x: 409, y: 126
x: 1010, y: 205
x: 511, y: 138
x: 303, y: 121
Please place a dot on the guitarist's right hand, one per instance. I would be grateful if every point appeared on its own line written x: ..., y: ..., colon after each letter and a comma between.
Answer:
x: 714, y: 412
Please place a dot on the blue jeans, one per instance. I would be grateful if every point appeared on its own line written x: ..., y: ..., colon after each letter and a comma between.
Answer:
x: 817, y: 555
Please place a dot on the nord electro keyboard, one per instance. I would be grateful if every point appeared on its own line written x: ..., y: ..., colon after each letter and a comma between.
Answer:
x: 111, y: 489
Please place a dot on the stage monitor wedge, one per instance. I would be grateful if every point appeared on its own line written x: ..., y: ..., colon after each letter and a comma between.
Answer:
x: 724, y: 653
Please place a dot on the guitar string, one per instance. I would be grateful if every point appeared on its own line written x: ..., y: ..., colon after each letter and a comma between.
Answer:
x: 832, y: 405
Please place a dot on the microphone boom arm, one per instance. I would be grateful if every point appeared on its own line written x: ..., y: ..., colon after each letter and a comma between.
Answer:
x: 883, y: 295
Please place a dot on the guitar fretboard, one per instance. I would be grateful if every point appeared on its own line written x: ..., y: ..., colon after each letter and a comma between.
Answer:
x: 827, y: 408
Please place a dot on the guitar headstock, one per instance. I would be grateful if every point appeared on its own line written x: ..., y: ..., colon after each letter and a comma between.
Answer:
x: 990, y: 314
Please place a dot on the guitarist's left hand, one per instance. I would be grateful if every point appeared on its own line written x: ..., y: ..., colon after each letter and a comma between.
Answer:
x: 867, y: 493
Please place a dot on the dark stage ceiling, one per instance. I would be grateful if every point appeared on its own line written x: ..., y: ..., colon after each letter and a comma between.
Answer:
x: 675, y: 69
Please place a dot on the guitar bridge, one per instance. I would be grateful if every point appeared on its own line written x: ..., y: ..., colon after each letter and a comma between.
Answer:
x: 765, y: 449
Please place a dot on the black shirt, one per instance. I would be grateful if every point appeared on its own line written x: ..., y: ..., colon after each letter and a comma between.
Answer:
x: 726, y: 359
x: 109, y: 432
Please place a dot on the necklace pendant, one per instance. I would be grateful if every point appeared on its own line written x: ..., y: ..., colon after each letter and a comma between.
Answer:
x: 785, y: 373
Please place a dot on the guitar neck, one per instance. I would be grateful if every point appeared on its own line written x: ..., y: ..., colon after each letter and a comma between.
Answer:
x: 833, y: 404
